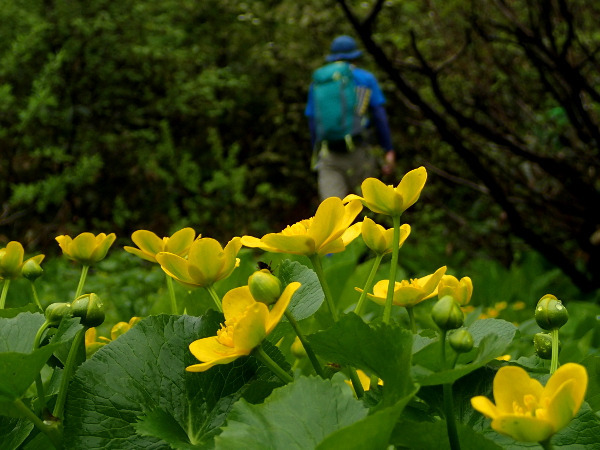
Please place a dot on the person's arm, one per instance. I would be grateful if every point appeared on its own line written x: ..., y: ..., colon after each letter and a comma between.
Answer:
x: 380, y: 122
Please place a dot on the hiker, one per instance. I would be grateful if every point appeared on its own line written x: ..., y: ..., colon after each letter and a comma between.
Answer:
x: 344, y: 108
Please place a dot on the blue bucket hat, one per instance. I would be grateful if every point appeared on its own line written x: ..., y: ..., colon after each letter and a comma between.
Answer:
x: 343, y: 48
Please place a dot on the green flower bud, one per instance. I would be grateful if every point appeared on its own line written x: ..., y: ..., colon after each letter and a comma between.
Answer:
x: 550, y: 314
x: 461, y: 341
x: 32, y: 270
x: 542, y: 343
x: 90, y: 309
x: 264, y: 286
x: 56, y: 311
x: 447, y: 315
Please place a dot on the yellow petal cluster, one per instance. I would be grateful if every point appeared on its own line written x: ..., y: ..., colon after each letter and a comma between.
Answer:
x: 149, y: 244
x: 11, y: 260
x: 379, y: 239
x: 529, y: 412
x: 247, y: 323
x: 86, y: 248
x: 329, y: 231
x: 408, y: 293
x: 460, y: 290
x: 94, y: 342
x: 390, y: 200
x: 207, y: 262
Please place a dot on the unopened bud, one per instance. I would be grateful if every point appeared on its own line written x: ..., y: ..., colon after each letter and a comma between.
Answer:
x: 542, y: 343
x: 461, y: 341
x: 31, y: 270
x: 550, y: 313
x: 447, y: 315
x: 298, y: 350
x: 264, y: 286
x: 56, y: 311
x: 90, y: 309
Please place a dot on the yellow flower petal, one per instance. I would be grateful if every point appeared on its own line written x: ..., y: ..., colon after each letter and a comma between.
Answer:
x: 180, y: 242
x: 523, y: 428
x: 410, y: 187
x: 295, y: 245
x: 484, y: 406
x: 563, y: 374
x: 280, y: 307
x: 211, y: 352
x: 327, y: 223
x: 175, y: 266
x: 148, y: 242
x: 511, y: 384
x: 251, y: 328
x: 236, y: 301
x: 103, y: 243
x: 139, y: 253
x: 379, y: 197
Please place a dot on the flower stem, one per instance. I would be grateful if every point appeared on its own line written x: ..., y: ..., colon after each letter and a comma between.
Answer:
x: 38, y: 379
x: 84, y: 271
x: 358, y: 387
x: 316, y: 262
x: 546, y: 445
x: 449, y: 401
x: 215, y: 297
x: 171, y: 290
x: 52, y: 433
x: 4, y: 292
x: 387, y: 309
x: 36, y: 299
x: 554, y: 360
x: 411, y: 318
x: 67, y: 372
x: 309, y: 351
x: 262, y: 356
x: 363, y: 295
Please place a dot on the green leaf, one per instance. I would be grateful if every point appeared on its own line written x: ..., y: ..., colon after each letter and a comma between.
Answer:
x: 18, y: 371
x: 371, y: 432
x: 18, y: 333
x: 428, y: 435
x: 117, y: 393
x: 491, y: 337
x: 592, y: 396
x: 382, y: 350
x: 297, y: 416
x: 13, y: 431
x: 309, y: 297
x: 13, y: 312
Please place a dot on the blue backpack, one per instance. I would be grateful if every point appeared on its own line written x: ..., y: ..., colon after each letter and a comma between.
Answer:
x: 339, y: 112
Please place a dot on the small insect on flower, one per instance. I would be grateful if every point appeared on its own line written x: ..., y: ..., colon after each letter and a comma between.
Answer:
x: 263, y: 265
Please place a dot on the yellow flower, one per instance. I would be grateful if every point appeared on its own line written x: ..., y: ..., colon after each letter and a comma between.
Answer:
x: 86, y: 248
x: 207, y: 262
x: 94, y: 342
x: 529, y: 412
x: 408, y: 293
x: 365, y: 381
x: 329, y: 231
x: 150, y: 244
x: 461, y: 291
x: 247, y: 323
x: 379, y: 239
x: 11, y: 260
x: 122, y: 327
x: 390, y: 200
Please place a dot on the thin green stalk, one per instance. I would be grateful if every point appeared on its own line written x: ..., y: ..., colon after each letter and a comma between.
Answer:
x: 449, y: 401
x: 35, y: 297
x: 51, y: 432
x: 411, y: 319
x: 67, y: 372
x: 171, y: 294
x: 262, y: 356
x: 554, y: 360
x: 4, y: 292
x: 546, y: 445
x: 358, y: 387
x: 316, y: 262
x: 368, y: 285
x: 387, y: 309
x: 215, y: 297
x: 84, y: 271
x: 38, y: 379
x: 309, y: 351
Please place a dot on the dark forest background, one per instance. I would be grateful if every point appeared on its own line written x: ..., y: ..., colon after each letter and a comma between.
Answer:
x: 116, y: 116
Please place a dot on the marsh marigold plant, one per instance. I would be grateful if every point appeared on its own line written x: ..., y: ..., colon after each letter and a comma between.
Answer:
x: 247, y: 323
x: 149, y: 244
x: 86, y: 248
x: 527, y: 411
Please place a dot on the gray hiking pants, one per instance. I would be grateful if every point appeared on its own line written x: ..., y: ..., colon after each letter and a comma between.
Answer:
x: 340, y: 174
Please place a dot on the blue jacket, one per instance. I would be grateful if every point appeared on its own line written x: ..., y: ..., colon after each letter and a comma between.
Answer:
x: 362, y: 78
